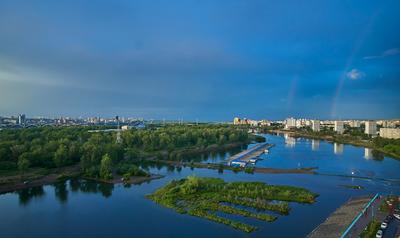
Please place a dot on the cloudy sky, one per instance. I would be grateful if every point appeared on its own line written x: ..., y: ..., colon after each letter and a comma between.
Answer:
x: 205, y: 59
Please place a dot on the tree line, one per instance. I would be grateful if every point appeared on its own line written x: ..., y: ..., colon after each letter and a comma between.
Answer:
x: 99, y: 153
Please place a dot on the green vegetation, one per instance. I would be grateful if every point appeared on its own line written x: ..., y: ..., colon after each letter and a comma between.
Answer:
x: 249, y: 170
x: 390, y: 202
x: 353, y: 186
x: 100, y: 156
x: 204, y: 197
x: 106, y: 167
x: 388, y: 146
x: 371, y: 229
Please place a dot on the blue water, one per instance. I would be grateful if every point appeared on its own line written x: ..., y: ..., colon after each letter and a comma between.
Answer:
x: 87, y: 209
x: 330, y: 158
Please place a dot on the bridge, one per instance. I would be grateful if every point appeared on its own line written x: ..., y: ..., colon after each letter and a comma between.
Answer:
x: 249, y: 155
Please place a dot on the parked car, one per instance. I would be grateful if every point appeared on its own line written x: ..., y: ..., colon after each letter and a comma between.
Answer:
x: 383, y: 225
x: 397, y: 216
x: 389, y: 217
x: 379, y: 234
x: 386, y: 221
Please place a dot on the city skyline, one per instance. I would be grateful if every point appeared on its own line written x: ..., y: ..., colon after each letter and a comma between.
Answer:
x: 205, y: 60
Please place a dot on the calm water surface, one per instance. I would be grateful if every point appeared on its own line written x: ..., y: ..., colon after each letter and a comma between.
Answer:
x: 78, y: 208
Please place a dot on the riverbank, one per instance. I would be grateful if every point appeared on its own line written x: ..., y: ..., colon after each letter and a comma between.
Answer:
x: 132, y: 180
x: 14, y: 180
x: 37, y: 177
x: 330, y: 138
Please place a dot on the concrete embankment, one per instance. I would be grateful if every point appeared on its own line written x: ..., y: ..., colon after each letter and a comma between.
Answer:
x: 339, y: 221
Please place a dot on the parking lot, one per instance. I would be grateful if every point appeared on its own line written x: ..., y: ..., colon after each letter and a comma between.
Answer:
x: 393, y: 229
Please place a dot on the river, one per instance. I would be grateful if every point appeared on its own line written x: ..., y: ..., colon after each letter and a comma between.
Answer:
x: 79, y: 208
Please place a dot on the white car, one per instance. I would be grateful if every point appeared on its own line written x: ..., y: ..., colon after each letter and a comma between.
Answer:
x: 397, y: 216
x: 384, y: 225
x: 379, y: 234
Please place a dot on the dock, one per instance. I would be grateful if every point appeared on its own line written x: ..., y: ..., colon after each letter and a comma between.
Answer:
x: 249, y: 156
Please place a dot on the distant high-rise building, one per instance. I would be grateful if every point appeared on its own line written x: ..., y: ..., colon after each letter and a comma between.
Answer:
x: 370, y: 128
x: 315, y: 124
x: 339, y: 127
x: 245, y: 121
x: 290, y: 123
x: 21, y: 119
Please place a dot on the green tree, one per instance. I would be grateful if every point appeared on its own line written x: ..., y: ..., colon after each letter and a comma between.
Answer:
x: 61, y: 156
x: 106, y: 167
x: 23, y: 163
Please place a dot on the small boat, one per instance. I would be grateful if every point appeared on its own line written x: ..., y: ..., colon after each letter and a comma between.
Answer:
x: 266, y: 151
x: 253, y: 160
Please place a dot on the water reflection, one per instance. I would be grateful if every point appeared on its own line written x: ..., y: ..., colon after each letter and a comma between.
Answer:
x: 26, y: 195
x: 368, y: 153
x: 87, y: 186
x: 106, y: 189
x: 290, y: 142
x: 170, y: 168
x: 61, y: 190
x: 315, y: 145
x: 338, y: 148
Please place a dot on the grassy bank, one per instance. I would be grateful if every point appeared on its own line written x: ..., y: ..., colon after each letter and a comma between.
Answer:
x: 370, y: 231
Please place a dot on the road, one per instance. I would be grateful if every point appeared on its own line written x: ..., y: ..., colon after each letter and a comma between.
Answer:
x: 366, y: 218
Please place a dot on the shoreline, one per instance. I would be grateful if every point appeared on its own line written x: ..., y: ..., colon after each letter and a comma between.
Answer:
x: 55, y: 177
x: 264, y: 170
x: 16, y: 182
x: 13, y: 182
x: 133, y: 179
x: 333, y: 140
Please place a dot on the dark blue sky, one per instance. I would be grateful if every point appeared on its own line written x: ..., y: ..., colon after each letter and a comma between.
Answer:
x: 205, y: 59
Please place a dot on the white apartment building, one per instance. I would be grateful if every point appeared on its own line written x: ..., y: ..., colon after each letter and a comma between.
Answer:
x: 315, y: 125
x: 339, y: 127
x: 355, y: 123
x: 390, y: 133
x: 370, y: 128
x: 290, y: 123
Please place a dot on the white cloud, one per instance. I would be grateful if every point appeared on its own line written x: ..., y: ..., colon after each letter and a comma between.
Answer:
x: 386, y: 53
x: 355, y: 74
